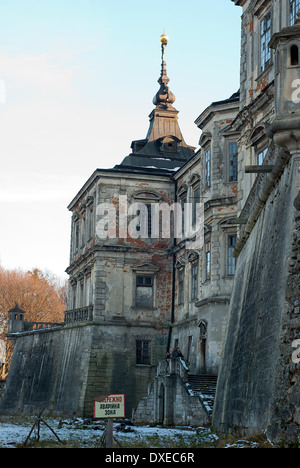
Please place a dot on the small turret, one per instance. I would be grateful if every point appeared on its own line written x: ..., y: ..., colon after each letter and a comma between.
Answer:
x: 286, y: 44
x: 285, y: 129
x: 15, y: 320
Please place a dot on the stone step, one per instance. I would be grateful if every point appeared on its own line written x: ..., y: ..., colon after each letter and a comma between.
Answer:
x: 203, y: 386
x: 203, y: 381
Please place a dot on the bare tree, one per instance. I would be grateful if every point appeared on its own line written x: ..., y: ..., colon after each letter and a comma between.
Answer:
x: 40, y: 294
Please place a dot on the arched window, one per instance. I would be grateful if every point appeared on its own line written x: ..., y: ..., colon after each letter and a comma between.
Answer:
x: 294, y: 55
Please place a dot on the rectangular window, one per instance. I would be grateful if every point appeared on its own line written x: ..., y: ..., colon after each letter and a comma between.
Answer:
x: 183, y: 203
x: 149, y: 219
x: 143, y: 352
x: 233, y: 162
x: 261, y: 156
x: 265, y: 37
x: 81, y: 295
x: 231, y: 260
x: 88, y: 291
x: 145, y: 226
x: 196, y: 199
x: 207, y: 261
x: 294, y: 8
x: 73, y: 305
x: 90, y: 224
x: 207, y: 167
x: 194, y: 292
x: 77, y: 236
x: 83, y: 227
x: 144, y: 291
x: 180, y: 286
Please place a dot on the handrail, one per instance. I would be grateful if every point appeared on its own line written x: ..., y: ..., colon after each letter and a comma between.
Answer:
x: 173, y: 366
x: 83, y: 314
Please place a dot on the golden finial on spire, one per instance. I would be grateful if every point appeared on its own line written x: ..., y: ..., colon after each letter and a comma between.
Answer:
x: 164, y: 41
x: 164, y: 98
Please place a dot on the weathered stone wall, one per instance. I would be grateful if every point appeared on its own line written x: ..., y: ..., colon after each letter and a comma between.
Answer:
x: 48, y: 368
x: 258, y: 386
x: 169, y: 402
x: 65, y: 369
x: 285, y: 409
x: 113, y: 368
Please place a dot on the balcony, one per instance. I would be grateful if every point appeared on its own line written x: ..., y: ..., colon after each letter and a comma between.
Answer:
x: 83, y: 314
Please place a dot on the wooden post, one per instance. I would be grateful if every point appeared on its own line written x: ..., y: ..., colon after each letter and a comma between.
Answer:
x: 109, y: 433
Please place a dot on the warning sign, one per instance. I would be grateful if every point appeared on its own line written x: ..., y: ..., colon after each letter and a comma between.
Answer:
x: 111, y: 406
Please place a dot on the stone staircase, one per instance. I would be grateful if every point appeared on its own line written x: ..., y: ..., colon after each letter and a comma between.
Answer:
x: 204, y: 386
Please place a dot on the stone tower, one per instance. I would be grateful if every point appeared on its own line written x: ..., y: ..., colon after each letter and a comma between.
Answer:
x: 15, y: 319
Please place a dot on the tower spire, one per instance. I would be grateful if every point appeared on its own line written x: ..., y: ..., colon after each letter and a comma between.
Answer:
x: 164, y: 42
x: 164, y: 147
x: 164, y: 98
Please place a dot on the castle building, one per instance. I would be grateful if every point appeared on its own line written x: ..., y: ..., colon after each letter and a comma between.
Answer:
x: 197, y: 250
x: 139, y: 285
x: 121, y: 272
x: 155, y: 290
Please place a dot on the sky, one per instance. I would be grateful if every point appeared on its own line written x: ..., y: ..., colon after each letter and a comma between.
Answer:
x: 77, y: 79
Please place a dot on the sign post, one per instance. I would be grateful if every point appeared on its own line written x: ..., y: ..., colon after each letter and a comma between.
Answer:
x: 109, y: 407
x: 109, y: 433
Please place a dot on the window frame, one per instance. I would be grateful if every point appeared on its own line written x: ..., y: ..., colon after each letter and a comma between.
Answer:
x: 233, y: 162
x: 207, y: 167
x: 294, y: 7
x: 144, y: 277
x: 183, y: 202
x: 196, y: 200
x: 194, y: 280
x: 265, y: 34
x: 143, y: 352
x: 260, y: 159
x: 180, y: 279
x: 231, y: 261
x: 82, y: 231
x: 207, y: 258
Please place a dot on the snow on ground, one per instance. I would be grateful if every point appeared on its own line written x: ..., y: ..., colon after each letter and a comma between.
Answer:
x: 86, y: 435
